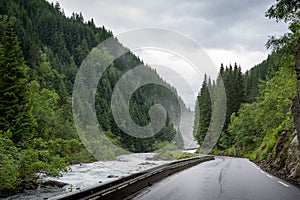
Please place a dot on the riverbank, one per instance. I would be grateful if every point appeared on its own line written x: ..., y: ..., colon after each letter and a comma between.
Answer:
x: 85, y: 175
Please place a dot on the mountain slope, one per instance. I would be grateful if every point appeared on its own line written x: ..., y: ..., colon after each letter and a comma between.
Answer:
x: 54, y: 47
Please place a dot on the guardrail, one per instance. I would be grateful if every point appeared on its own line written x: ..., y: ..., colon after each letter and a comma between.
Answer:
x: 126, y: 186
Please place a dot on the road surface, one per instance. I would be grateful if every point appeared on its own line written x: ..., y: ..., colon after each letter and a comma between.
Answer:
x: 222, y: 178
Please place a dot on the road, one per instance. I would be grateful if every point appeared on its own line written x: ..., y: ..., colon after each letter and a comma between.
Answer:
x: 222, y: 178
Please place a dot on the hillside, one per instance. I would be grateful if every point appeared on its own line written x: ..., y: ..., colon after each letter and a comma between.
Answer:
x: 262, y: 120
x: 50, y: 48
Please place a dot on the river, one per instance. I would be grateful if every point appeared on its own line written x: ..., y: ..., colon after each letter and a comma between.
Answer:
x: 81, y: 176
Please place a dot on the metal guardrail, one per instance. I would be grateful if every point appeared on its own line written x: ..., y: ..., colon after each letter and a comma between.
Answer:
x: 126, y: 186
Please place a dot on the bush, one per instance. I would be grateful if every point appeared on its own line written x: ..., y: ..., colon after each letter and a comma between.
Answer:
x: 9, y: 166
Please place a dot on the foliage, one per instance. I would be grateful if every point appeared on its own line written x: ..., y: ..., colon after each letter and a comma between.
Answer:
x: 289, y: 12
x: 15, y: 106
x: 171, y: 153
x: 141, y: 101
x: 244, y: 132
x: 9, y: 165
x: 233, y: 81
x: 203, y: 110
x: 255, y: 111
x: 256, y: 127
x: 40, y: 52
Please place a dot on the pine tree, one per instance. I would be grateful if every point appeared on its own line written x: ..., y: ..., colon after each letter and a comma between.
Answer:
x: 15, y: 109
x: 203, y: 111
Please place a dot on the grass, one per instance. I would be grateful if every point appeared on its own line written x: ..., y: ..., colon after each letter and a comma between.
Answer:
x: 172, y: 153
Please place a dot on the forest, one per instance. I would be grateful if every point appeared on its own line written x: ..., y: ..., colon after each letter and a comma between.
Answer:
x: 41, y: 51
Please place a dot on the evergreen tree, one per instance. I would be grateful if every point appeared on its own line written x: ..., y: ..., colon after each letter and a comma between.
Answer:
x: 233, y: 81
x: 203, y: 110
x: 15, y: 109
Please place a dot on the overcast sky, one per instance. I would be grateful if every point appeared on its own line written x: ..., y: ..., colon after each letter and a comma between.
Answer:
x: 229, y: 30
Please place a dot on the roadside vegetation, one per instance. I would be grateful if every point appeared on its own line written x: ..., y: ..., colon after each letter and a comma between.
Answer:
x: 262, y: 119
x: 171, y: 152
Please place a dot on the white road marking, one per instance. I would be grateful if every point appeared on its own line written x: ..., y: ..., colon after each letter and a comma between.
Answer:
x: 268, y: 175
x: 286, y: 185
x: 254, y: 165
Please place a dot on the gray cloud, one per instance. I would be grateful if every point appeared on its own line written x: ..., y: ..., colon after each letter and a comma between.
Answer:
x: 220, y: 24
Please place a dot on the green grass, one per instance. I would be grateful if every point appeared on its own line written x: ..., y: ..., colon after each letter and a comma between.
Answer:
x: 267, y: 147
x: 171, y: 152
x: 173, y: 155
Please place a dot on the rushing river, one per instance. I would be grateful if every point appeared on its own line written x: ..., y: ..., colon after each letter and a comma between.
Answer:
x: 85, y: 175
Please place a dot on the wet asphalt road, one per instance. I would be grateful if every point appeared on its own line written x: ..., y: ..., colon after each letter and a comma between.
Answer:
x: 222, y: 178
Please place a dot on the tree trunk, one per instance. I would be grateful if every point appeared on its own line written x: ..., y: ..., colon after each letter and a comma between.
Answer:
x: 296, y: 101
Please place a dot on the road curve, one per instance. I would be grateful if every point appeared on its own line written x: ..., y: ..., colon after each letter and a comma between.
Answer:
x: 222, y: 178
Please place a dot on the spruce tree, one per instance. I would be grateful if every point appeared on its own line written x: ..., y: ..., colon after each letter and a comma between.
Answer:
x: 15, y: 109
x: 203, y: 110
